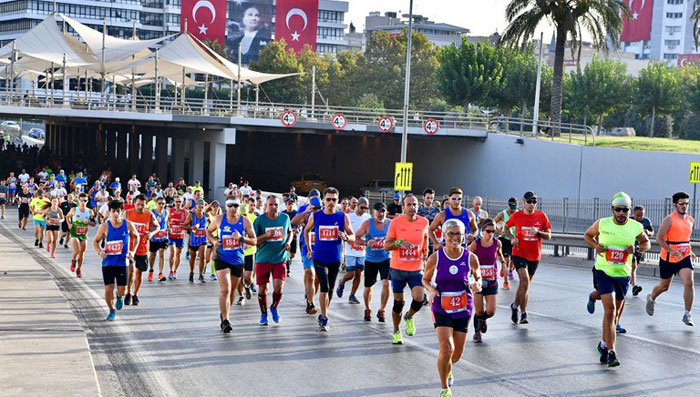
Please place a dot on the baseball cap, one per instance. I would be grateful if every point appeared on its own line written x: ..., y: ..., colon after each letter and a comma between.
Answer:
x: 622, y: 199
x: 202, y: 202
x: 379, y: 206
x: 363, y: 200
x: 397, y: 196
x: 315, y: 202
x: 513, y: 203
x: 529, y: 195
x: 314, y: 193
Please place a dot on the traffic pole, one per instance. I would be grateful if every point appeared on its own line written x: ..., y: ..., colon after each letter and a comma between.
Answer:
x: 404, y: 135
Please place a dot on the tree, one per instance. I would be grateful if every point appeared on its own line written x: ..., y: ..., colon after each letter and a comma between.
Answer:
x: 658, y: 90
x: 520, y: 77
x: 275, y: 59
x: 602, y: 19
x: 470, y: 73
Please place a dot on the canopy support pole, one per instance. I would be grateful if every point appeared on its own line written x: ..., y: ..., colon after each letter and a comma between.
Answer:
x: 133, y: 91
x: 157, y: 79
x: 12, y: 70
x: 65, y: 85
x: 52, y: 84
x: 114, y: 93
x: 102, y: 66
x: 313, y: 92
x: 87, y: 88
x: 230, y: 97
x: 257, y: 99
x: 182, y: 94
x: 238, y: 100
x: 205, y: 105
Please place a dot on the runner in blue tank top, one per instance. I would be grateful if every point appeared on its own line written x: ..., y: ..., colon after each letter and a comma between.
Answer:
x: 117, y: 233
x: 451, y: 297
x: 377, y: 259
x: 196, y: 224
x: 233, y: 230
x: 454, y: 211
x: 301, y: 218
x: 331, y: 229
x: 159, y: 241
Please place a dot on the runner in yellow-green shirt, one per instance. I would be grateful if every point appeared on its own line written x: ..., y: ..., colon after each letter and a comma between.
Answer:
x: 38, y: 206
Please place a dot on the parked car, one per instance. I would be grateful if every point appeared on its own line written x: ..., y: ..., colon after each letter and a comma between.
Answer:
x: 378, y: 186
x: 37, y: 133
x: 309, y: 181
x: 10, y: 127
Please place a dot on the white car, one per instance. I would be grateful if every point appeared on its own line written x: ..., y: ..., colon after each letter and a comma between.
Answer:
x: 10, y: 127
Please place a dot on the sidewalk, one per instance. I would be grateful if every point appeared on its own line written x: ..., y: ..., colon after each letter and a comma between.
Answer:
x: 43, y: 348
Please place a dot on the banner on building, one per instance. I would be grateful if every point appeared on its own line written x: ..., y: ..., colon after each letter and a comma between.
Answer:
x: 688, y: 59
x: 295, y: 22
x: 250, y: 25
x: 205, y: 19
x: 638, y: 27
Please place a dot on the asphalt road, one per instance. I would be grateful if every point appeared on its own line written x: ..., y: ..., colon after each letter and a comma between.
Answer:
x: 171, y: 343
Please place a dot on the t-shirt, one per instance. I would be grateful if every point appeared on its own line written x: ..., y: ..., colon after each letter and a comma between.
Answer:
x: 416, y: 232
x: 272, y: 250
x: 23, y: 177
x: 80, y: 183
x: 245, y: 190
x: 61, y: 178
x: 394, y: 209
x: 3, y: 192
x: 36, y: 204
x: 250, y: 249
x: 66, y: 207
x: 526, y: 228
x: 151, y: 205
x: 428, y: 213
x: 356, y: 221
x: 134, y: 185
x: 24, y: 199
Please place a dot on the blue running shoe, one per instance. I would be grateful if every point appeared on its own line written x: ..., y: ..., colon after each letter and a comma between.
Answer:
x: 275, y: 314
x: 112, y: 315
x: 603, y: 351
x: 591, y: 304
x: 620, y: 330
x: 340, y: 289
x: 263, y: 319
x: 120, y: 303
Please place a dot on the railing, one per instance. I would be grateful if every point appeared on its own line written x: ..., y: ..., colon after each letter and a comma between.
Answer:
x: 574, y: 133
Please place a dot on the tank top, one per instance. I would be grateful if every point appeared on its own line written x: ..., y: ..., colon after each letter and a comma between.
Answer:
x: 80, y: 221
x: 488, y: 259
x: 162, y: 234
x: 452, y: 281
x: 616, y: 261
x: 210, y: 219
x: 54, y: 217
x: 506, y: 216
x: 116, y: 245
x: 250, y: 249
x: 678, y: 238
x: 142, y: 223
x: 175, y: 221
x: 231, y: 250
x: 199, y: 230
x: 376, y: 252
x: 327, y: 230
x: 464, y: 217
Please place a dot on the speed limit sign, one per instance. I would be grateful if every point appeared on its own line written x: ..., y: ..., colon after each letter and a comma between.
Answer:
x: 339, y: 121
x: 431, y: 126
x: 385, y: 124
x: 289, y: 118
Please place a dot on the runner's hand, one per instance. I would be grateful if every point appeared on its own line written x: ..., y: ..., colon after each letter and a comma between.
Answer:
x: 406, y: 244
x: 470, y: 238
x: 433, y: 294
x: 514, y: 241
x: 310, y: 255
x: 102, y: 254
x: 676, y: 253
x: 630, y: 249
x: 600, y: 249
x: 475, y: 287
x: 236, y: 235
x: 287, y: 247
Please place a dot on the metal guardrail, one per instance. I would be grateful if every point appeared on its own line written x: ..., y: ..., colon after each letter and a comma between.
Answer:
x: 523, y: 128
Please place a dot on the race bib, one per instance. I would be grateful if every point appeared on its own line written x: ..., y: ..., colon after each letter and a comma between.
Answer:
x: 683, y: 248
x: 277, y: 234
x: 409, y: 254
x: 2, y: 195
x: 231, y: 243
x: 453, y: 302
x: 175, y: 229
x: 114, y: 247
x: 160, y: 234
x: 328, y: 233
x: 81, y: 230
x: 199, y: 232
x: 488, y: 272
x: 529, y: 233
x: 140, y: 228
x: 616, y: 255
x: 378, y: 244
x: 54, y: 222
x: 24, y: 200
x: 313, y: 238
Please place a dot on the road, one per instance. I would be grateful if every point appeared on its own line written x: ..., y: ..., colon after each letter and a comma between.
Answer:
x: 171, y: 343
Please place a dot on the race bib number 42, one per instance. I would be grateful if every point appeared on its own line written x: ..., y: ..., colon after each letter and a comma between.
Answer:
x: 453, y: 302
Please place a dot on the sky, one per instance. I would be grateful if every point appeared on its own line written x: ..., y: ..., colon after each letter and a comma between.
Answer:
x: 481, y: 17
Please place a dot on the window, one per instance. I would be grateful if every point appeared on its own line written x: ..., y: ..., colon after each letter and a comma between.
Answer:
x: 670, y: 56
x: 672, y: 42
x: 674, y: 1
x: 674, y: 15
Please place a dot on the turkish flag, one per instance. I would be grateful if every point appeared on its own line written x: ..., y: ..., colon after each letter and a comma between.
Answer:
x: 295, y: 22
x: 206, y: 19
x: 637, y: 28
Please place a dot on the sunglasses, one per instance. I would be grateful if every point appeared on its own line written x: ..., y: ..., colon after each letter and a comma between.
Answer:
x: 456, y: 198
x: 234, y: 205
x: 331, y: 199
x: 362, y: 207
x: 160, y: 203
x: 178, y: 202
x: 531, y: 201
x: 83, y: 200
x: 621, y: 209
x: 453, y: 234
x: 683, y: 203
x: 489, y: 231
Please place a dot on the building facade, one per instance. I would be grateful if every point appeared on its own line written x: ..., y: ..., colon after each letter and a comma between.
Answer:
x: 440, y: 34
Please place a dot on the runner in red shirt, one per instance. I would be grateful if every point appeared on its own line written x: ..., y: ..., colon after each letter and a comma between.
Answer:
x: 143, y: 220
x: 531, y: 226
x: 176, y: 235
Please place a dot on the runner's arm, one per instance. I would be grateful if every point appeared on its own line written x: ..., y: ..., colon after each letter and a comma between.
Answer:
x: 133, y: 234
x: 307, y: 229
x: 349, y: 233
x: 99, y: 236
x: 591, y: 238
x: 212, y: 228
x: 475, y: 268
x: 188, y: 222
x: 497, y: 219
x: 439, y: 219
x: 661, y: 234
x: 248, y: 227
x: 428, y: 276
x: 644, y: 243
x: 155, y: 225
x: 360, y: 232
x: 546, y: 234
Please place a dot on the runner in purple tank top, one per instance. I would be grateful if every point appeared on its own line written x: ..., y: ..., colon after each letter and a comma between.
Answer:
x: 488, y: 250
x: 451, y: 297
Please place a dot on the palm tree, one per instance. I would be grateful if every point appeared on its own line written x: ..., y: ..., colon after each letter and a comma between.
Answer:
x: 602, y: 19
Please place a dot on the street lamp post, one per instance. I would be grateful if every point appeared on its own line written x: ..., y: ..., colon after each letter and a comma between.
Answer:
x: 404, y: 135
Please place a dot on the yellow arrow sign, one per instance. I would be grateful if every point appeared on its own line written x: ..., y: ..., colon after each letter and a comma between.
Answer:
x: 694, y: 173
x: 403, y: 176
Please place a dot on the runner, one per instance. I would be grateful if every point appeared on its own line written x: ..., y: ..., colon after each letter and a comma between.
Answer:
x: 451, y: 297
x: 291, y: 213
x: 676, y: 256
x: 407, y: 239
x: 212, y: 210
x: 54, y: 218
x: 479, y: 213
x: 428, y: 211
x: 376, y: 258
x: 117, y: 233
x: 196, y: 224
x: 23, y: 198
x: 488, y: 250
x: 355, y: 252
x: 233, y: 231
x: 176, y: 235
x: 531, y: 226
x: 638, y: 257
x: 311, y: 282
x: 66, y: 206
x: 159, y: 241
x: 331, y: 228
x: 246, y: 287
x: 3, y: 198
x: 613, y: 240
x: 506, y: 246
x: 147, y: 226
x: 37, y: 206
x: 274, y: 235
x: 78, y: 219
x: 12, y: 189
x: 455, y: 211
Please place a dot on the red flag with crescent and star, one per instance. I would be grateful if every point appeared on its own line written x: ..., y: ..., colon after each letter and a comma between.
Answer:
x: 638, y: 27
x: 206, y: 19
x: 295, y: 22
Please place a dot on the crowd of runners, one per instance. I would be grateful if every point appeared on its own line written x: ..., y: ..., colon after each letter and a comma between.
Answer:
x: 452, y: 258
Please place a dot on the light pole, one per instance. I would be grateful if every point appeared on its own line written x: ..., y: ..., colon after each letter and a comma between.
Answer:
x: 404, y: 135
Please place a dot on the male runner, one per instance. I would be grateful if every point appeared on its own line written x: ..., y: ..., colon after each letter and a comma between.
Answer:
x: 394, y: 208
x: 355, y: 252
x: 176, y: 235
x: 11, y: 189
x: 377, y: 258
x: 146, y: 225
x: 455, y: 210
x: 66, y: 206
x: 331, y: 228
x: 159, y: 241
x: 249, y: 250
x: 117, y: 233
x: 78, y: 220
x: 233, y: 230
x: 676, y: 256
x: 613, y: 239
x: 274, y: 235
x: 196, y: 224
x: 638, y: 257
x: 23, y: 198
x: 37, y: 207
x: 531, y: 226
x: 506, y: 246
x: 311, y: 283
x: 407, y: 239
x: 291, y: 213
x: 3, y: 198
x: 479, y: 213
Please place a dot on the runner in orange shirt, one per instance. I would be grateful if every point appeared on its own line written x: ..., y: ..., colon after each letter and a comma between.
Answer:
x: 147, y: 226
